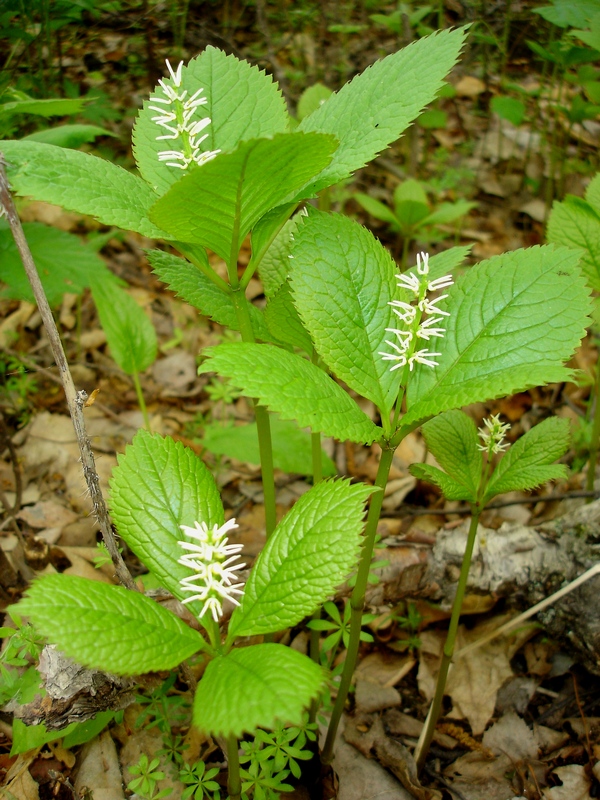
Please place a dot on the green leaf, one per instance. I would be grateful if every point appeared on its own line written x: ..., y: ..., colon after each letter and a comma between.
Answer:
x: 283, y: 321
x: 266, y: 231
x: 64, y: 263
x: 509, y: 108
x: 218, y: 204
x: 292, y: 387
x: 433, y: 118
x: 311, y: 551
x: 254, y: 687
x: 446, y: 261
x: 452, y: 439
x: 81, y: 182
x: 243, y: 103
x: 69, y: 135
x: 86, y: 731
x: 376, y: 209
x: 108, y: 627
x: 528, y: 462
x: 311, y: 99
x: 514, y: 319
x: 411, y: 190
x: 342, y: 282
x: 31, y: 737
x: 574, y: 223
x: 158, y: 486
x: 129, y: 333
x: 371, y: 111
x: 592, y: 193
x: 191, y: 285
x: 449, y: 212
x: 52, y: 107
x: 291, y: 446
x: 274, y: 267
x: 567, y: 14
x: 450, y: 488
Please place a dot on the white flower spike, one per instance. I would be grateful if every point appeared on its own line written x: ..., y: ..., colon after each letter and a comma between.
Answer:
x: 211, y: 559
x: 411, y: 314
x: 177, y: 120
x: 493, y: 437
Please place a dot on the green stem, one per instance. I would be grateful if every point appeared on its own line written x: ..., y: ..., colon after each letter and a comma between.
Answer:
x: 317, y: 463
x: 141, y: 401
x: 234, y: 784
x: 263, y: 425
x: 405, y: 245
x: 315, y: 636
x: 436, y: 706
x: 591, y: 473
x: 357, y: 601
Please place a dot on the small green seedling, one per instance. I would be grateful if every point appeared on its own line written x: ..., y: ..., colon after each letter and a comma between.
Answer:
x: 412, y: 216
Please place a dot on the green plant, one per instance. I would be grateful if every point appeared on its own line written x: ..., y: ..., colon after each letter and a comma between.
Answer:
x: 129, y: 333
x: 335, y: 306
x: 575, y: 222
x: 16, y: 387
x: 145, y: 785
x: 339, y: 627
x: 22, y: 647
x: 412, y: 217
x: 199, y: 781
x: 410, y: 622
x: 469, y: 472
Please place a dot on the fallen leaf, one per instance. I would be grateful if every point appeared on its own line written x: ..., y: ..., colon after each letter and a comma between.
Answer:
x: 469, y: 86
x: 575, y: 784
x: 99, y: 769
x: 511, y: 736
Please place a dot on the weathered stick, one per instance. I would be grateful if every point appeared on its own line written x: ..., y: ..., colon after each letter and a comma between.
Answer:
x: 75, y: 400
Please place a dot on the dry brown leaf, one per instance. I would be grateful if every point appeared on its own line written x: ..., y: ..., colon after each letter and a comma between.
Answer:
x: 575, y: 784
x: 474, y: 679
x: 99, y: 769
x: 47, y: 514
x: 469, y: 86
x: 511, y: 736
x: 384, y: 669
x: 19, y: 783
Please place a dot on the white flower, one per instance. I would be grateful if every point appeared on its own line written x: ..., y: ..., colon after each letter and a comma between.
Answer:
x: 409, y: 281
x: 426, y: 331
x: 429, y: 306
x: 407, y: 312
x: 423, y: 268
x: 177, y: 120
x: 423, y: 357
x: 211, y: 559
x: 440, y: 283
x: 493, y: 437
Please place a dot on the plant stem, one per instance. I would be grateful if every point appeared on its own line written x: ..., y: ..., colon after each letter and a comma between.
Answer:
x: 434, y: 711
x: 141, y: 401
x: 317, y: 463
x: 357, y: 600
x: 591, y: 473
x: 315, y: 635
x: 263, y: 425
x: 234, y: 784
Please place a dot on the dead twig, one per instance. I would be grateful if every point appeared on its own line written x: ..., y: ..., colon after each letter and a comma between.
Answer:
x: 75, y: 400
